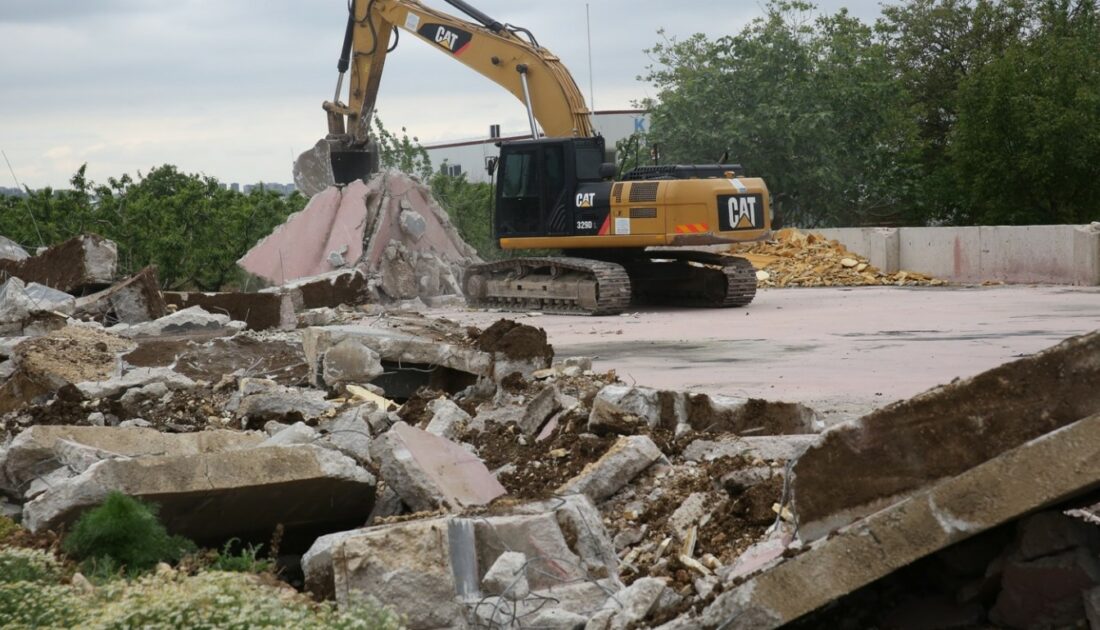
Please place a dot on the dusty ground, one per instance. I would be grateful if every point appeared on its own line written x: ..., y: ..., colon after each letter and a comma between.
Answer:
x: 843, y: 351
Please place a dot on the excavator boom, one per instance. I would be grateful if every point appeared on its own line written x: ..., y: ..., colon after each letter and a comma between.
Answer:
x: 507, y: 55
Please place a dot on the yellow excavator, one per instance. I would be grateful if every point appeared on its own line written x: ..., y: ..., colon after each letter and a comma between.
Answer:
x: 555, y: 191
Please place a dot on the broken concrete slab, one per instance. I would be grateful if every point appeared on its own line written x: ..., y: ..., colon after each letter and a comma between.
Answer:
x: 217, y: 495
x: 396, y: 346
x: 1043, y: 471
x: 628, y: 607
x: 36, y: 450
x: 447, y: 418
x: 389, y: 227
x: 866, y: 464
x: 628, y: 457
x: 507, y: 576
x: 10, y: 250
x: 326, y: 290
x: 189, y: 321
x: 429, y: 472
x: 134, y: 378
x: 768, y: 448
x: 406, y: 566
x: 22, y: 304
x: 284, y: 404
x: 259, y: 311
x: 432, y: 568
x: 539, y: 410
x: 82, y: 262
x: 134, y: 300
x: 297, y: 433
x: 349, y: 361
x: 619, y: 408
x: 350, y: 433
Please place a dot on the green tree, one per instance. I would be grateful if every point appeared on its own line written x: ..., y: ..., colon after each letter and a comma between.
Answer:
x: 1026, y: 146
x: 404, y: 154
x: 809, y: 103
x: 468, y: 205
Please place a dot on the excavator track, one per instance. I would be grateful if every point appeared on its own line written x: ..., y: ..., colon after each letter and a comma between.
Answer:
x: 691, y: 278
x: 572, y: 286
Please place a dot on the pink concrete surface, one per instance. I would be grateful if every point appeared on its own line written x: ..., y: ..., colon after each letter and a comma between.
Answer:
x: 842, y: 351
x: 300, y: 247
x: 440, y: 239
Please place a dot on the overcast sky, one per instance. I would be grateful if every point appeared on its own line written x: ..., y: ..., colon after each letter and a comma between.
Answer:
x: 233, y: 88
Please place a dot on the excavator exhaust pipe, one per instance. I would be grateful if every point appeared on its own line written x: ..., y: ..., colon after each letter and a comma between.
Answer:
x: 333, y: 163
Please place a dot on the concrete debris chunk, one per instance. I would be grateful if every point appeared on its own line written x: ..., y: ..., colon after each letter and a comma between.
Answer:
x: 349, y: 361
x: 42, y: 448
x: 508, y: 576
x: 599, y: 480
x: 1039, y: 472
x: 769, y: 448
x: 132, y: 301
x: 10, y: 250
x: 447, y: 418
x: 135, y: 378
x: 284, y: 403
x: 187, y: 321
x: 423, y: 569
x: 214, y: 496
x: 629, y: 606
x: 618, y: 407
x: 539, y: 410
x: 389, y: 228
x: 259, y: 311
x: 429, y: 472
x: 863, y: 465
x: 297, y: 433
x: 350, y: 433
x: 86, y: 261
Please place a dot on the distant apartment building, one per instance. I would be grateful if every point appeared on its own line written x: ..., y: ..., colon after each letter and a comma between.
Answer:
x: 470, y: 156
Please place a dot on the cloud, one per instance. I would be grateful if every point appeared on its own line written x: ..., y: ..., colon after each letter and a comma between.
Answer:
x: 233, y: 87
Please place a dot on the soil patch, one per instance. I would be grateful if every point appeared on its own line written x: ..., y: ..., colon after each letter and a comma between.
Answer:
x: 515, y: 341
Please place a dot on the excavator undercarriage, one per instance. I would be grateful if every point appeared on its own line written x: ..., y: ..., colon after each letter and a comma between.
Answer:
x: 588, y: 286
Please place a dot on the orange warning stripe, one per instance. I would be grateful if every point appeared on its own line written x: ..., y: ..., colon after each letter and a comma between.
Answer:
x: 691, y: 228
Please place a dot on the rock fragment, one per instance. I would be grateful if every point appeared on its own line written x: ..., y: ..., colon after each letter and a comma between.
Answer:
x: 599, y: 480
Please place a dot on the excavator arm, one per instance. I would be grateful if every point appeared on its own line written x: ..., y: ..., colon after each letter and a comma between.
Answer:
x: 507, y: 55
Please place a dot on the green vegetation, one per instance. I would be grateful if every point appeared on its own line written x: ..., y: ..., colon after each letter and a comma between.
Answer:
x: 122, y: 538
x: 943, y: 111
x: 191, y: 228
x: 246, y: 560
x: 123, y: 535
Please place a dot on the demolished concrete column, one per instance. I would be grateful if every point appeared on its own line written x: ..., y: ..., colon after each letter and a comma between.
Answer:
x: 1044, y: 471
x: 864, y: 465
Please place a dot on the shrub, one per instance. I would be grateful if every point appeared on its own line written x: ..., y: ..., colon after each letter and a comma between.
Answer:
x: 123, y: 534
x: 35, y: 605
x: 245, y: 561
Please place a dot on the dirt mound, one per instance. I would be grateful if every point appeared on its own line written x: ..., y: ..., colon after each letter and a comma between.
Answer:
x: 515, y: 341
x: 798, y: 259
x: 74, y: 354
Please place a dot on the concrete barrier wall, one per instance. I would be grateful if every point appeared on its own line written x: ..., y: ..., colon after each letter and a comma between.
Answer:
x: 1048, y: 254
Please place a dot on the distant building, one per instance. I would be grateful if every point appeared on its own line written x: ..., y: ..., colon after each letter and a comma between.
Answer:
x: 12, y: 192
x: 470, y: 156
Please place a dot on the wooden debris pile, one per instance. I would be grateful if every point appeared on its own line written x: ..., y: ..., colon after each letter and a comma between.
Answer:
x: 798, y: 259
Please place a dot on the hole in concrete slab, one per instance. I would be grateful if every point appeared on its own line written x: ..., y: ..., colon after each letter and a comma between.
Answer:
x: 400, y: 381
x: 1038, y: 571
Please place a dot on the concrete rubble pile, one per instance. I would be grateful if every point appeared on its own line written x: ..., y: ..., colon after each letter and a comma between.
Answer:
x: 797, y: 259
x: 471, y: 478
x: 388, y: 232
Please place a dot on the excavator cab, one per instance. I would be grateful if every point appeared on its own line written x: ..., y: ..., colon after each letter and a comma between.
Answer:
x: 538, y: 183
